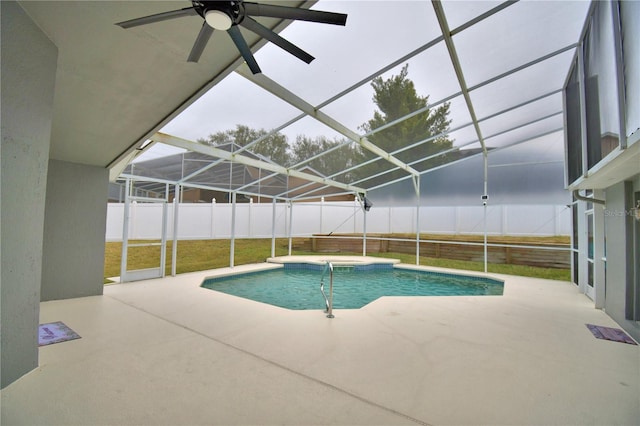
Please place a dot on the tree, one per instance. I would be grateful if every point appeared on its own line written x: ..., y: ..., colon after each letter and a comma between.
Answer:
x: 396, y: 97
x: 333, y: 161
x: 275, y: 147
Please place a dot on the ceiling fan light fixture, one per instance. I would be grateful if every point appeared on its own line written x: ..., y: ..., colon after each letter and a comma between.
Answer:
x: 218, y: 19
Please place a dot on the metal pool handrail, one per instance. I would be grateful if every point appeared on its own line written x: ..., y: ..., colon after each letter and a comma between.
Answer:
x: 328, y: 302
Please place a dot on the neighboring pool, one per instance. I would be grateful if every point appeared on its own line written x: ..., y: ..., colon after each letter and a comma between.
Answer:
x: 297, y: 286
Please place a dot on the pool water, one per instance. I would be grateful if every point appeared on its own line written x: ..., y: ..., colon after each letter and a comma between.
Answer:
x: 299, y: 288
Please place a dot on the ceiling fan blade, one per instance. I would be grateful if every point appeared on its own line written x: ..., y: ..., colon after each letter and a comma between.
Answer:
x: 287, y: 12
x: 201, y: 41
x: 158, y: 17
x: 242, y: 46
x: 264, y: 32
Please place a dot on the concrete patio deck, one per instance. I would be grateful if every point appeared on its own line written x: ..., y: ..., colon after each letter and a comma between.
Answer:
x: 166, y: 351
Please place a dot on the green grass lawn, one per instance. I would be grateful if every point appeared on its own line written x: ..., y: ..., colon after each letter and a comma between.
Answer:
x: 199, y: 255
x: 193, y: 255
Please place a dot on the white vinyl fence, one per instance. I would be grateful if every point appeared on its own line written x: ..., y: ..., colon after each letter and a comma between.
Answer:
x: 256, y: 220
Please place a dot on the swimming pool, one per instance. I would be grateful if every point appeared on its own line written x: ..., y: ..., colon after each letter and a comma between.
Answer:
x: 297, y: 286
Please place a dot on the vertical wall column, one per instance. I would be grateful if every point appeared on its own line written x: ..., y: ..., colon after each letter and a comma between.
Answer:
x: 74, y: 227
x: 621, y: 263
x: 29, y: 61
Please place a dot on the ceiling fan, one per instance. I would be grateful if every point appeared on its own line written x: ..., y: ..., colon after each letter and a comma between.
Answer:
x: 228, y: 15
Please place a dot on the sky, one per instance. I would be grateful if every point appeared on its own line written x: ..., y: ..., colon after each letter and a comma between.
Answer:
x: 378, y: 33
x: 337, y: 66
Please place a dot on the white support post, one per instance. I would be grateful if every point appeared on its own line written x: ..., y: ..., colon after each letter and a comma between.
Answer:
x: 163, y: 241
x: 174, y: 247
x: 250, y: 220
x: 484, y: 208
x: 485, y: 200
x: 583, y: 267
x: 599, y: 260
x: 364, y: 230
x: 273, y: 228
x: 355, y: 212
x: 133, y: 218
x: 505, y: 220
x: 321, y: 213
x: 418, y: 233
x: 416, y: 186
x: 213, y: 218
x: 290, y: 225
x: 233, y: 230
x: 125, y: 230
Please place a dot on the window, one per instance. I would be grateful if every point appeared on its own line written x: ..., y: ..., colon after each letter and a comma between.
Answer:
x: 601, y: 86
x: 573, y: 126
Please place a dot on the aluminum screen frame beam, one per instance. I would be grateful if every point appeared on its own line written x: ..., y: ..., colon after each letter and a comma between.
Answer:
x: 275, y: 89
x: 240, y: 159
x: 455, y: 60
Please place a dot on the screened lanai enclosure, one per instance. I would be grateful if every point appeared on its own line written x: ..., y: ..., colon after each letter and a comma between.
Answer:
x: 417, y: 116
x: 417, y: 129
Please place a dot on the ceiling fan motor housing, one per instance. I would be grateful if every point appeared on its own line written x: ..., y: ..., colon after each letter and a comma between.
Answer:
x: 218, y: 10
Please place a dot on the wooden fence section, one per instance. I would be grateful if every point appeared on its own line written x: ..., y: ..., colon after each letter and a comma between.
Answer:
x: 545, y: 255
